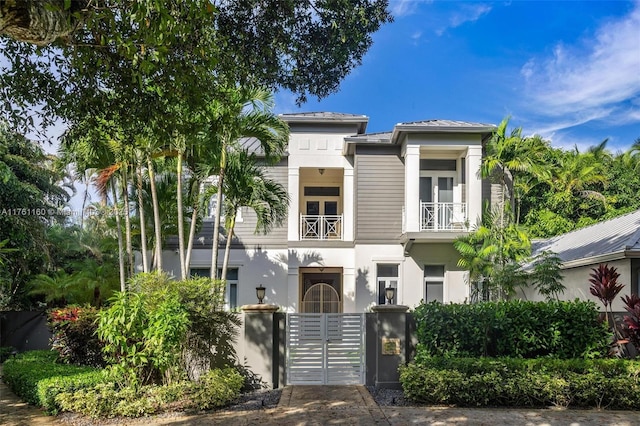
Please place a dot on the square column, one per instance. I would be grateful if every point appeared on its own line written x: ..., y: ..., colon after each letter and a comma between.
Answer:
x: 293, y: 231
x: 412, y: 188
x: 474, y: 185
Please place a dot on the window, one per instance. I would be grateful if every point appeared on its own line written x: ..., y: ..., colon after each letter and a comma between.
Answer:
x: 387, y: 277
x: 434, y: 283
x: 231, y: 293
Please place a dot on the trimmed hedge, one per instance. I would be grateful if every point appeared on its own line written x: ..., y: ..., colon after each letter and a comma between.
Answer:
x: 216, y: 388
x: 514, y: 328
x: 36, y: 378
x: 613, y: 384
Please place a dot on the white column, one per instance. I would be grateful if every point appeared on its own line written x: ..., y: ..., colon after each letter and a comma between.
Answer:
x: 294, y: 204
x: 347, y: 202
x: 348, y: 290
x: 474, y: 185
x: 293, y: 284
x: 412, y: 187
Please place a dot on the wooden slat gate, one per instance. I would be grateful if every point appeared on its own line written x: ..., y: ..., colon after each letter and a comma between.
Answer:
x: 325, y: 349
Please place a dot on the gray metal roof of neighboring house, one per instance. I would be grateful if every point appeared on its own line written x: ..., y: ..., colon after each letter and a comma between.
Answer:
x: 617, y: 235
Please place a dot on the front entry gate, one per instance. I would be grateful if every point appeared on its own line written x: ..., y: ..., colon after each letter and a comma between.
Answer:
x: 325, y: 349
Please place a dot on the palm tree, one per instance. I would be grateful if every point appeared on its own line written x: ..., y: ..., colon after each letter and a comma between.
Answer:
x: 508, y: 156
x: 239, y: 113
x: 248, y: 186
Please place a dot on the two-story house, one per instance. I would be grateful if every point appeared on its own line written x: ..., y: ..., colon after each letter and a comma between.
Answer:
x: 367, y: 211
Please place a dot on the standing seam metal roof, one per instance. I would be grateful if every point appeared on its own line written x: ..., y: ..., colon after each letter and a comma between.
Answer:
x: 611, y: 236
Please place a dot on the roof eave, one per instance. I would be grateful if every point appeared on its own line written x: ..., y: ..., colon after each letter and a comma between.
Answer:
x: 411, y: 128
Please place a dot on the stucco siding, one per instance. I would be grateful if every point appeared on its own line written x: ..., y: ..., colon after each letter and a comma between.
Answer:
x: 379, y: 194
x: 576, y: 281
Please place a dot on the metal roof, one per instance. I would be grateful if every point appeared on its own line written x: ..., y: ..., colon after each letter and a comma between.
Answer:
x: 613, y: 236
x: 446, y: 124
x: 327, y: 117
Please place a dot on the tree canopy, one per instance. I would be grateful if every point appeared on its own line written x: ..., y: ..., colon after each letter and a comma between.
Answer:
x: 65, y: 57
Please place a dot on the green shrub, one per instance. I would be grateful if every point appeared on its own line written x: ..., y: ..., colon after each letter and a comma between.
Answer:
x: 611, y: 383
x: 74, y: 335
x: 36, y: 378
x: 142, y: 341
x: 215, y: 389
x: 511, y: 329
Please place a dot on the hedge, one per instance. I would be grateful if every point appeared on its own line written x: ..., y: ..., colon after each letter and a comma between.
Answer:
x: 36, y: 378
x: 511, y: 329
x: 613, y: 384
x: 215, y: 388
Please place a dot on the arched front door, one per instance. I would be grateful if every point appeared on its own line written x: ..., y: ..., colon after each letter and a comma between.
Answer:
x: 321, y: 292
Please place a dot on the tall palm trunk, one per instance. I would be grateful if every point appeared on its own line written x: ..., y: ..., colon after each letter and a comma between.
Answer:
x: 143, y: 222
x: 156, y: 216
x: 183, y: 267
x: 216, y: 223
x: 192, y: 235
x: 114, y: 193
x: 227, y: 248
x: 127, y: 219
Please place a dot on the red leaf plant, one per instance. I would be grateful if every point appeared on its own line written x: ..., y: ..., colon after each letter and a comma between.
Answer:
x: 632, y: 321
x: 604, y: 286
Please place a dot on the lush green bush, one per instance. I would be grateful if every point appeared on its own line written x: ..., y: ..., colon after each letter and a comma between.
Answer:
x: 74, y: 335
x: 215, y: 389
x: 611, y: 383
x: 142, y: 341
x: 212, y: 331
x: 37, y: 378
x: 511, y: 329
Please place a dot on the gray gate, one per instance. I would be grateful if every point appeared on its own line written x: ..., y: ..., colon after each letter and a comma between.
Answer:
x: 325, y: 349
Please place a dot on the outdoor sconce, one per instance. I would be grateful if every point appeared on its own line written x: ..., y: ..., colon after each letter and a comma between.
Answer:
x: 389, y: 292
x: 321, y: 171
x: 260, y: 291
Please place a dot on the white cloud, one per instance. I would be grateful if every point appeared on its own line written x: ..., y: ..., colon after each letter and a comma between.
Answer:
x: 599, y: 79
x: 466, y: 13
x: 469, y: 13
x: 400, y: 8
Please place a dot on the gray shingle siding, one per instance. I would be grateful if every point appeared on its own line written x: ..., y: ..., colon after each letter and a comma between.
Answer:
x: 379, y: 193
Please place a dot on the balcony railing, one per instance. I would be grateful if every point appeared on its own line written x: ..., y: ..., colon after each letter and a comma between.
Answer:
x: 321, y: 227
x: 443, y: 217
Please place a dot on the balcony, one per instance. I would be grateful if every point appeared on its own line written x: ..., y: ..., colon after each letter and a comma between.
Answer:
x: 443, y: 217
x: 321, y: 227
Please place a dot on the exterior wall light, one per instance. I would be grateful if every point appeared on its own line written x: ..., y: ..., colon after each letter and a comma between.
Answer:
x: 389, y: 292
x: 260, y: 292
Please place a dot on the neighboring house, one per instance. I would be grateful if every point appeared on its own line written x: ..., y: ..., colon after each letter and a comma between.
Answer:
x: 367, y: 212
x: 615, y: 242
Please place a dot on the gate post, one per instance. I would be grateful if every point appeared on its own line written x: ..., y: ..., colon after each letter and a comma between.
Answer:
x: 387, y: 339
x: 262, y: 341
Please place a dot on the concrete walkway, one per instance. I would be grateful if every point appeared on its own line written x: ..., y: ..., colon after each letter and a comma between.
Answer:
x: 334, y: 405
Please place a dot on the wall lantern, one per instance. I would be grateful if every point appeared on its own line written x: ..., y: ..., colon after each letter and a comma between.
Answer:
x: 390, y: 293
x: 260, y: 292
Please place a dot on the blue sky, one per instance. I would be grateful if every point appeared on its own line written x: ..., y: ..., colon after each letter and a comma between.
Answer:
x: 567, y: 70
